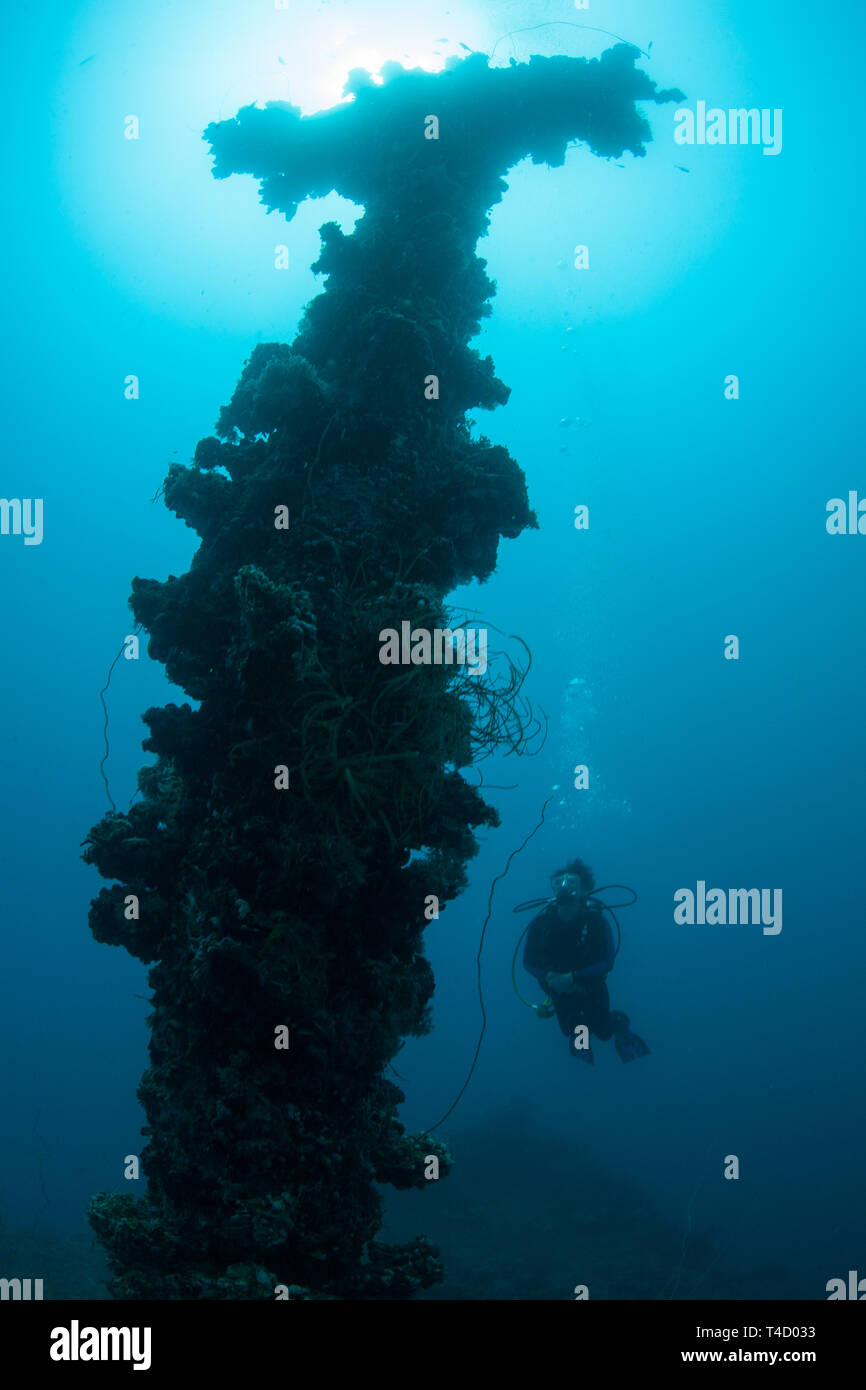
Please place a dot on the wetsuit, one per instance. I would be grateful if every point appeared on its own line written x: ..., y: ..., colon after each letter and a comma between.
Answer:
x: 586, y: 948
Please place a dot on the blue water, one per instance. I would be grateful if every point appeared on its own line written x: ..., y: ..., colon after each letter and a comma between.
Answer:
x: 707, y: 518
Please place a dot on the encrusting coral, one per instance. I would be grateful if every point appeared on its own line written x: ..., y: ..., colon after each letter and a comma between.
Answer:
x: 261, y: 904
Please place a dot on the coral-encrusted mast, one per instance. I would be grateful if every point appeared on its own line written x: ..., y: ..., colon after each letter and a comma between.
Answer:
x: 260, y: 906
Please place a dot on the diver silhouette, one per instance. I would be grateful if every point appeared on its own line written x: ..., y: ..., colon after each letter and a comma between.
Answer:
x: 570, y: 950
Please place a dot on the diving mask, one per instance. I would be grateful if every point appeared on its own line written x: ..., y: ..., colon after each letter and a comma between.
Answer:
x: 565, y: 887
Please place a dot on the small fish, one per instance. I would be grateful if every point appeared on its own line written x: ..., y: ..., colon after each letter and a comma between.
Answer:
x: 682, y: 168
x: 466, y: 46
x: 282, y: 60
x: 87, y: 60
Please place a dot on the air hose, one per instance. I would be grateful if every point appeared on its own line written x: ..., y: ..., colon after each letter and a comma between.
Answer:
x: 592, y: 899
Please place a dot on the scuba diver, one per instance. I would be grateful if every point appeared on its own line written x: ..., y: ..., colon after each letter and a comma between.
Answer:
x: 570, y: 949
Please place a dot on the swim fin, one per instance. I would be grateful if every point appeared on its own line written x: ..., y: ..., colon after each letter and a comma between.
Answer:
x: 630, y: 1046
